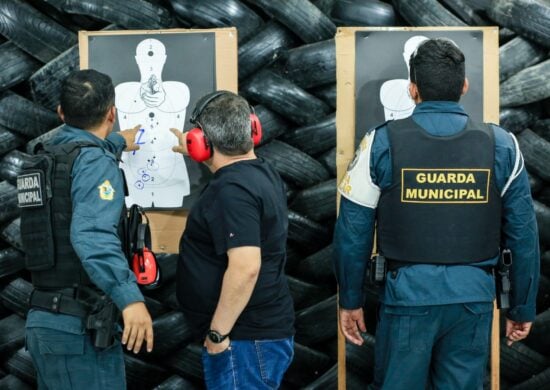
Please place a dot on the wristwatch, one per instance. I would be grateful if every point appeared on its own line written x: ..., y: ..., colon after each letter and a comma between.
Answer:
x: 215, y: 336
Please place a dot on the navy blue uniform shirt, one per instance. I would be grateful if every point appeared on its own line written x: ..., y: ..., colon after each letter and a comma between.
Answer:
x: 424, y: 284
x: 97, y: 193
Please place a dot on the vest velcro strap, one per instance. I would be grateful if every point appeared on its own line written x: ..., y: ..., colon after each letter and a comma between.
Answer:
x: 57, y: 302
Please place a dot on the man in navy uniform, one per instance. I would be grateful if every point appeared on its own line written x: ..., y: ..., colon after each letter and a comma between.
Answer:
x: 448, y: 195
x: 87, y: 205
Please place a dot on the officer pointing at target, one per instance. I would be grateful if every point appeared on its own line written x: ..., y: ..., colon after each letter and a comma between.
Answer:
x: 452, y: 204
x: 71, y: 201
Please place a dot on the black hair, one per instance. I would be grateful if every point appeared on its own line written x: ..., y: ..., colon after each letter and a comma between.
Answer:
x: 226, y: 123
x: 437, y: 68
x: 86, y: 96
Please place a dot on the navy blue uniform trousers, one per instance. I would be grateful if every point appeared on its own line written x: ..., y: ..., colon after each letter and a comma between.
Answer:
x: 432, y: 347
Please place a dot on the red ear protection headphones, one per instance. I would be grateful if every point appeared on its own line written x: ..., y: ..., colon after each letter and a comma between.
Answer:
x: 199, y: 146
x: 144, y: 263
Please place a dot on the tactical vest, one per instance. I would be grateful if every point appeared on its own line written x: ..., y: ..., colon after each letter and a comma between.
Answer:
x: 443, y: 206
x: 44, y: 191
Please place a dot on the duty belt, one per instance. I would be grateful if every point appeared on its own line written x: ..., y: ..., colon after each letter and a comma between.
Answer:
x: 394, y: 265
x: 59, y: 301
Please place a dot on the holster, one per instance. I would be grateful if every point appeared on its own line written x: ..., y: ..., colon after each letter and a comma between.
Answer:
x: 378, y: 269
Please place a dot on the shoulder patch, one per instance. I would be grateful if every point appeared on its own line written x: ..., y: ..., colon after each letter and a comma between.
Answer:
x: 106, y: 190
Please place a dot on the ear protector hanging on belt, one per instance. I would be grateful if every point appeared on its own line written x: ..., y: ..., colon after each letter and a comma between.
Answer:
x: 144, y: 263
x: 199, y: 146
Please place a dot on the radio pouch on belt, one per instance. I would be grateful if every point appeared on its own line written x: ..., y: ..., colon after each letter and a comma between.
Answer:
x: 143, y: 261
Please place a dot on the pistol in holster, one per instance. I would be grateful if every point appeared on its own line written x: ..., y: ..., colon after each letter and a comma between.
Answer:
x: 101, y: 322
x: 502, y: 276
x: 378, y: 269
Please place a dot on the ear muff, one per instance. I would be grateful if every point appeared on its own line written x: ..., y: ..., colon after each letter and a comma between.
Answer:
x: 144, y: 262
x: 256, y: 128
x: 199, y: 146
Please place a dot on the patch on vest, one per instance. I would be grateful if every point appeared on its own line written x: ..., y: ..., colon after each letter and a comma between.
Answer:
x: 106, y: 190
x: 445, y: 185
x: 29, y: 190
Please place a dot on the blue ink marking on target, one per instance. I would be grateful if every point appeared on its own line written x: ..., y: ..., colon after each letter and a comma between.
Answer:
x: 139, y: 142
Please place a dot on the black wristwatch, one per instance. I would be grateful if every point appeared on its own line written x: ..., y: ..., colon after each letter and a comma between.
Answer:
x: 215, y: 336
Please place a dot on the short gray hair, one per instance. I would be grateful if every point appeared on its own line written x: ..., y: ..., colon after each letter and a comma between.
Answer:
x: 226, y: 123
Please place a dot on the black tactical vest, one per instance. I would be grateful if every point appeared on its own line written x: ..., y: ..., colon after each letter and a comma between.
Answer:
x: 443, y: 206
x: 44, y: 191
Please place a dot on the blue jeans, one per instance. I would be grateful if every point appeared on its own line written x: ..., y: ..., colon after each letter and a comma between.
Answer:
x: 65, y: 360
x: 248, y: 364
x: 432, y: 347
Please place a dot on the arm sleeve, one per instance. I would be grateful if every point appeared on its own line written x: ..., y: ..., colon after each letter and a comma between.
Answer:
x: 353, y: 240
x: 234, y: 219
x: 115, y: 144
x: 97, y: 198
x: 520, y: 235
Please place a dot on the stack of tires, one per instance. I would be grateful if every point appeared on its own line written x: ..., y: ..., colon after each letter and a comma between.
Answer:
x: 287, y: 70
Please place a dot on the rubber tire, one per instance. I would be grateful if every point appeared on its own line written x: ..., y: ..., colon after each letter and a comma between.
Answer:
x: 8, y: 202
x: 543, y: 221
x: 143, y: 375
x: 168, y: 263
x: 176, y: 382
x: 172, y: 332
x: 130, y: 14
x: 187, y: 361
x: 311, y: 65
x: 517, y: 54
x: 543, y: 293
x: 542, y: 128
x: 527, y: 86
x: 20, y: 364
x: 306, y: 294
x: 363, y: 13
x: 12, y: 234
x: 328, y: 159
x: 536, y: 152
x: 310, y: 235
x: 517, y: 119
x: 505, y: 35
x: 294, y: 166
x: 538, y: 338
x: 15, y: 296
x: 9, y: 140
x: 12, y: 334
x: 46, y: 81
x: 12, y: 382
x: 541, y: 381
x: 42, y: 139
x: 301, y: 17
x: 11, y: 165
x: 544, y: 197
x: 360, y: 359
x: 426, y: 13
x: 530, y: 18
x: 318, y: 323
x: 326, y: 93
x: 220, y: 13
x: 314, y: 139
x: 535, y: 183
x: 11, y: 261
x: 465, y: 12
x: 519, y: 362
x: 17, y: 65
x: 264, y: 48
x: 273, y: 124
x: 325, y: 6
x: 308, y: 365
x: 317, y: 202
x: 33, y: 31
x: 155, y: 308
x: 25, y: 117
x: 285, y: 97
x: 317, y: 268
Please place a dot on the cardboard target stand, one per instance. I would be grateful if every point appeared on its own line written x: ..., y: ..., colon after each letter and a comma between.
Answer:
x: 372, y: 75
x: 158, y: 77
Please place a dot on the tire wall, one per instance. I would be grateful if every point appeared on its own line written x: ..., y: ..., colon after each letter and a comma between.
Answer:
x: 287, y: 71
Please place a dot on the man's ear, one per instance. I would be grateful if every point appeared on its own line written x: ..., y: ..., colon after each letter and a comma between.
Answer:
x: 465, y: 87
x: 413, y: 92
x: 111, y: 115
x: 60, y: 113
